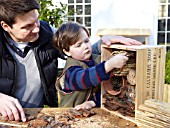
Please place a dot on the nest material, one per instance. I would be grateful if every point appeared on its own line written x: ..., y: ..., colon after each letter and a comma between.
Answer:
x: 123, y: 81
x: 63, y: 120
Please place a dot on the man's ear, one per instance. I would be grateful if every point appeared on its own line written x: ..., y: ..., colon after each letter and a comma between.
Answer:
x: 5, y: 26
x: 66, y: 52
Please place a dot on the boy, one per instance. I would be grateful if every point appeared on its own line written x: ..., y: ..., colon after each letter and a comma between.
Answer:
x: 79, y: 84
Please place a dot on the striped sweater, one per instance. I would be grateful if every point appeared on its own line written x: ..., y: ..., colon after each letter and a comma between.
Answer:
x: 77, y: 78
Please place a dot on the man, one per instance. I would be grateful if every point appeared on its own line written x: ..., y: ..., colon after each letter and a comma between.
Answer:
x: 28, y: 62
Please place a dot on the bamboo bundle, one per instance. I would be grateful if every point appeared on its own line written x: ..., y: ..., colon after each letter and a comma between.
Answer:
x: 153, y: 114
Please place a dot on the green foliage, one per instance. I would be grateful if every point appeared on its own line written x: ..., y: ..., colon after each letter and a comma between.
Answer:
x: 51, y: 13
x: 46, y: 106
x: 167, y: 68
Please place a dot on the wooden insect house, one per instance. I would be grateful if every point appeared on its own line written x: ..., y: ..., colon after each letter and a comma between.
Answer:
x: 140, y: 79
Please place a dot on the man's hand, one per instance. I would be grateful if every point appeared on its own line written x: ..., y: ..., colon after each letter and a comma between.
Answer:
x: 11, y: 109
x: 108, y: 40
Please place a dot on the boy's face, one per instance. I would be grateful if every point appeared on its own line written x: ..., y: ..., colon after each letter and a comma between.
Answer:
x: 26, y: 28
x: 82, y: 49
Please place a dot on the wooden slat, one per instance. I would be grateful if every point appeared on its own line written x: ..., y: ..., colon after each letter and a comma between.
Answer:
x: 150, y: 120
x: 132, y: 119
x: 154, y: 112
x: 158, y: 105
x: 3, y: 124
x: 149, y: 71
x: 158, y: 68
x: 162, y: 74
x: 166, y: 93
x: 124, y: 32
x: 150, y: 109
x: 131, y: 47
x: 148, y: 124
x: 140, y: 86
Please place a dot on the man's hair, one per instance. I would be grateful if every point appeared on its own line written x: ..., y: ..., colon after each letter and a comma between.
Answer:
x: 10, y: 9
x: 67, y: 35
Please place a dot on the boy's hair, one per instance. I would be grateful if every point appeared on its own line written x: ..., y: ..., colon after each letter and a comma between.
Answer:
x: 67, y: 35
x: 9, y: 9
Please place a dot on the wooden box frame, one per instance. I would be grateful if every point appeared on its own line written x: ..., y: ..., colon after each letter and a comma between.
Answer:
x: 150, y: 72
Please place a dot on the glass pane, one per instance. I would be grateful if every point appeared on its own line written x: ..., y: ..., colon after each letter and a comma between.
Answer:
x: 161, y: 38
x: 162, y: 11
x: 168, y: 38
x: 168, y: 25
x: 70, y: 9
x: 79, y: 20
x: 88, y: 21
x: 79, y: 1
x: 168, y: 48
x: 70, y: 18
x: 168, y: 10
x: 87, y: 9
x: 79, y: 9
x: 70, y: 1
x: 161, y: 25
x: 89, y: 30
x: 162, y: 1
x: 168, y: 1
x: 87, y: 1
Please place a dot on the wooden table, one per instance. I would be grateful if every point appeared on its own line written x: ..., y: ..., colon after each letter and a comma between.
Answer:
x: 102, y: 119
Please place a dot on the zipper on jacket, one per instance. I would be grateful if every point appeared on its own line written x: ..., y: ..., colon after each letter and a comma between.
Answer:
x: 15, y: 77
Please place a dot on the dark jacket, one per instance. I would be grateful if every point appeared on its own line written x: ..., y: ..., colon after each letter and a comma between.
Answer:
x: 46, y: 57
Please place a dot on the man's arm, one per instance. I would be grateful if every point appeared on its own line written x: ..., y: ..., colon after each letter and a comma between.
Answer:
x: 96, y: 48
x: 108, y: 40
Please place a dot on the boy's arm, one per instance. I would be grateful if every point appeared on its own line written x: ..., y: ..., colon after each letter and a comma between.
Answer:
x: 77, y: 78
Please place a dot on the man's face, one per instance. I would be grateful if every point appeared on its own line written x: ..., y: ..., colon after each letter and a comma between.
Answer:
x: 26, y: 28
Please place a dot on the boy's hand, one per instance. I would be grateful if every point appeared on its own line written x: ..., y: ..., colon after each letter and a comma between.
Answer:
x: 85, y: 105
x: 117, y: 61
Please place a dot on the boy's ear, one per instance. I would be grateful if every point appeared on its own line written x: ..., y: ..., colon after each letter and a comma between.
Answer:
x: 66, y: 52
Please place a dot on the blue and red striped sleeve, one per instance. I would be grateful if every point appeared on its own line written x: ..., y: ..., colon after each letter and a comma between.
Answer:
x: 77, y: 78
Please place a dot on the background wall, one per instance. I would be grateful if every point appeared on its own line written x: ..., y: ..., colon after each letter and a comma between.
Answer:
x: 124, y: 14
